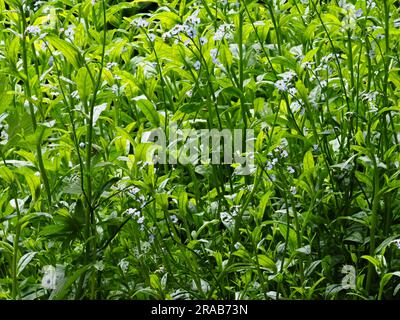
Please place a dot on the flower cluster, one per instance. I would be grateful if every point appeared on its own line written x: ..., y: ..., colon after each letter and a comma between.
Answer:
x: 33, y: 30
x: 214, y: 56
x: 188, y: 28
x: 351, y: 15
x: 137, y: 215
x: 139, y: 23
x: 278, y: 153
x: 285, y: 84
x: 224, y: 31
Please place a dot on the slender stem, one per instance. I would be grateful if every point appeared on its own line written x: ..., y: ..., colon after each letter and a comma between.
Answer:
x: 14, y: 292
x: 42, y: 168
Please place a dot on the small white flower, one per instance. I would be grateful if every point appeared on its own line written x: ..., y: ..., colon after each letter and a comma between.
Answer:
x: 191, y: 32
x: 397, y: 243
x: 111, y: 65
x: 371, y: 4
x: 49, y: 278
x: 33, y: 30
x: 133, y: 191
x: 307, y: 65
x: 70, y: 31
x: 203, y: 41
x: 281, y: 85
x: 295, y: 106
x: 218, y: 36
x: 237, y: 245
x: 342, y: 3
x: 193, y: 19
x: 152, y: 37
x: 189, y: 93
x: 139, y: 23
x: 3, y: 137
x: 371, y: 54
x: 140, y: 220
x: 226, y: 219
x: 123, y: 264
x: 293, y: 190
x: 214, y: 54
x: 235, y: 210
x: 284, y: 154
x: 292, y: 91
x: 166, y: 35
x: 290, y: 169
x: 82, y: 145
x: 115, y: 89
x: 174, y: 219
x: 197, y: 65
x: 53, y: 277
x: 288, y: 76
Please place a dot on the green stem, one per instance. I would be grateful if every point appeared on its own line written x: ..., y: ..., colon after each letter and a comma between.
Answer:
x: 14, y: 292
x: 42, y: 169
x: 374, y: 221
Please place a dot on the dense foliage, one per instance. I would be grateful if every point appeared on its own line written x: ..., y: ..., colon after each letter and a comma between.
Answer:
x: 84, y: 213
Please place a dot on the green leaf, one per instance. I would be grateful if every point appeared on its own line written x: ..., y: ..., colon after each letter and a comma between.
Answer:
x: 7, y: 175
x: 108, y: 184
x: 218, y: 259
x: 149, y: 111
x: 308, y: 163
x: 69, y: 51
x: 385, y: 279
x: 373, y: 260
x: 72, y: 188
x: 84, y: 83
x: 155, y: 282
x: 242, y: 254
x: 310, y: 55
x: 190, y: 107
x: 64, y: 290
x: 266, y: 262
x: 12, y: 52
x: 396, y: 289
x: 263, y: 205
x: 362, y: 177
x: 34, y: 215
x: 24, y: 260
x: 182, y: 202
x: 79, y: 212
